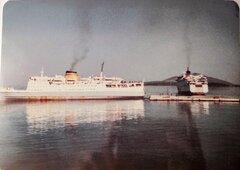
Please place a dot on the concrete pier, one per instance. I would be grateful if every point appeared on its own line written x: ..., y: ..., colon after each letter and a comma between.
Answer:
x: 194, y: 98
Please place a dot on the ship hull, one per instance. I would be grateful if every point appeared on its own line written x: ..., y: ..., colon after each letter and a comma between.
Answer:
x: 185, y: 88
x: 44, y: 96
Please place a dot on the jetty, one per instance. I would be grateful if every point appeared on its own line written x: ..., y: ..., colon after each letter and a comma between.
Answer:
x: 194, y: 98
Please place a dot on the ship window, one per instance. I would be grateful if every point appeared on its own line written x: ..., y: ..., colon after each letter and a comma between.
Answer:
x: 138, y: 85
x: 198, y: 85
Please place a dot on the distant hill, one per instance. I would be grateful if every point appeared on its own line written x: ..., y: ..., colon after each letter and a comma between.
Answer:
x: 172, y: 82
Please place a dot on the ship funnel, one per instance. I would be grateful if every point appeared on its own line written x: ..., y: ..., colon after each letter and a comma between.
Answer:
x: 188, y: 72
x: 72, y: 75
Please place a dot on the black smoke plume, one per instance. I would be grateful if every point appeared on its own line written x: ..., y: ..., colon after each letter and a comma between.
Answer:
x: 79, y: 59
x: 188, y: 44
x: 83, y: 35
x: 190, y: 17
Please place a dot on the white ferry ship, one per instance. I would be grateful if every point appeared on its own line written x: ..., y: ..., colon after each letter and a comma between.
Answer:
x: 73, y: 87
x: 192, y: 84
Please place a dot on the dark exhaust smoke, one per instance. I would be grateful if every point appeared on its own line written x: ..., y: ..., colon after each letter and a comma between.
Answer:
x: 83, y: 36
x: 79, y: 59
x: 190, y: 17
x: 188, y: 44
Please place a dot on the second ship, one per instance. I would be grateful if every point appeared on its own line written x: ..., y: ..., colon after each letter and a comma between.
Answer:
x: 192, y: 84
x: 73, y: 87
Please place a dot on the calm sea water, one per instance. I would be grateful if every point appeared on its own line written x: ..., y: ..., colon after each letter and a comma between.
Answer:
x: 131, y: 134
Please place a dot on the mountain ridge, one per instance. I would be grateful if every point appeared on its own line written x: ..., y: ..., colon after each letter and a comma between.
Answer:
x: 171, y: 81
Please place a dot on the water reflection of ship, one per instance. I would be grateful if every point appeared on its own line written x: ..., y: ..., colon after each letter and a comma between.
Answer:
x: 112, y: 135
x: 172, y: 144
x: 192, y: 141
x: 51, y: 115
x: 195, y: 108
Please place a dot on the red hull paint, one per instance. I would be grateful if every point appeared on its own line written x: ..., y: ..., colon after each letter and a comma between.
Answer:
x: 43, y: 99
x: 191, y: 93
x: 198, y: 93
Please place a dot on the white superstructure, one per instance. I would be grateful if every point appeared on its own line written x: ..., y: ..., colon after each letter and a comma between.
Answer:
x: 72, y: 87
x: 192, y: 84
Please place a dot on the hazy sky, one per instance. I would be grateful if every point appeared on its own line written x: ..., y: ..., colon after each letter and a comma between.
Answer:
x: 137, y: 39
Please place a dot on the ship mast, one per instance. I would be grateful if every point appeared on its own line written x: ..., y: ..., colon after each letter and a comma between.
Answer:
x: 42, y: 72
x: 101, y: 74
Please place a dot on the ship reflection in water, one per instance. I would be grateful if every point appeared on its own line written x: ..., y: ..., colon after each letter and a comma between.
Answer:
x: 112, y: 135
x: 51, y: 115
